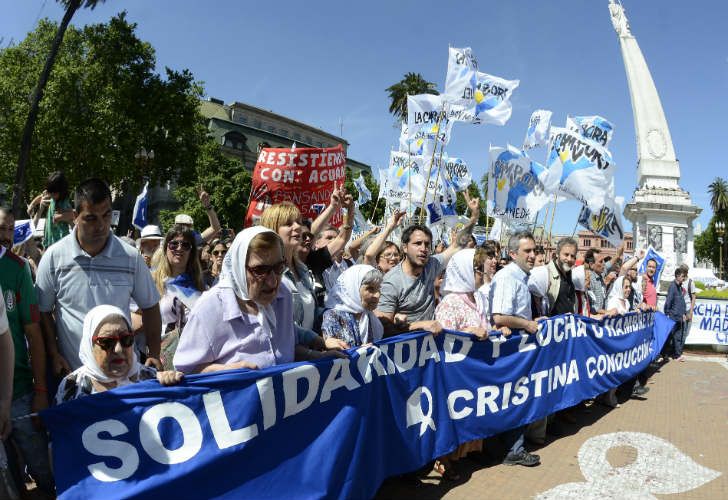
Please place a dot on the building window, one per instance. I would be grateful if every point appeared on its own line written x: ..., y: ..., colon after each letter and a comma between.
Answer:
x: 320, y: 144
x: 284, y: 133
x: 308, y: 140
x: 629, y: 245
x: 234, y: 140
x: 297, y: 137
x: 271, y: 129
x: 587, y: 243
x: 604, y: 243
x: 257, y: 124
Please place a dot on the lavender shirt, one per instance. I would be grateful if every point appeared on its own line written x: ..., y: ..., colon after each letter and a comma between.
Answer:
x: 219, y: 332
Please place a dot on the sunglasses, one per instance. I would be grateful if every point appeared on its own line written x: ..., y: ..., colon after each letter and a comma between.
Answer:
x: 219, y: 252
x: 175, y: 244
x: 261, y: 272
x: 108, y: 343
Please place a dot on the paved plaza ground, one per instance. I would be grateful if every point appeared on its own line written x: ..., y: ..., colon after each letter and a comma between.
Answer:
x: 673, y: 444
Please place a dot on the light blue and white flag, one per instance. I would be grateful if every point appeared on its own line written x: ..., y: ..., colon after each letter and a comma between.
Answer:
x: 23, y: 231
x: 607, y: 222
x: 659, y: 261
x: 361, y: 225
x: 461, y: 67
x: 579, y: 169
x: 383, y: 181
x: 183, y: 288
x: 538, y: 129
x: 402, y: 171
x: 457, y: 172
x: 361, y: 187
x: 487, y: 100
x: 516, y: 186
x: 139, y: 217
x: 427, y: 123
x: 596, y: 128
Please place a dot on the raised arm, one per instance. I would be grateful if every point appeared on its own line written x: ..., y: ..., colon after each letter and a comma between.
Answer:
x: 333, y: 208
x: 631, y: 262
x: 211, y: 232
x: 461, y: 241
x: 355, y: 245
x: 338, y: 243
x: 370, y: 256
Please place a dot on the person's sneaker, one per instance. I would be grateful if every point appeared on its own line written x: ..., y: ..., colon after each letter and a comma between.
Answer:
x: 640, y: 390
x: 523, y: 458
x: 681, y: 359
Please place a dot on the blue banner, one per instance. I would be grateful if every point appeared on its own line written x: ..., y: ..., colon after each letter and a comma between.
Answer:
x: 337, y: 428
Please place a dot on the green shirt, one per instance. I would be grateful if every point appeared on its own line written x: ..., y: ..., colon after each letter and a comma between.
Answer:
x: 21, y: 303
x: 54, y: 231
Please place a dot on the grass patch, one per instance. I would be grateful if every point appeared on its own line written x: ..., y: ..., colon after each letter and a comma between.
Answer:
x: 713, y: 294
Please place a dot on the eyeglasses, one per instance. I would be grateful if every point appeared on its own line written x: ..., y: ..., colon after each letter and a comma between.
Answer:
x: 175, y: 244
x: 389, y: 256
x: 108, y: 343
x: 261, y: 272
x: 219, y: 252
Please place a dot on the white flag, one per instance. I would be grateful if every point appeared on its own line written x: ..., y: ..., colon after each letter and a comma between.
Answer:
x: 364, y: 194
x: 607, y: 222
x: 538, y: 129
x: 487, y: 100
x: 516, y: 187
x: 580, y: 169
x: 426, y: 122
x: 461, y: 67
x: 595, y: 128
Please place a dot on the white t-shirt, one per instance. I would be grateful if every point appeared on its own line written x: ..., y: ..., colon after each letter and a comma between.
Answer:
x: 687, y: 296
x: 309, y: 305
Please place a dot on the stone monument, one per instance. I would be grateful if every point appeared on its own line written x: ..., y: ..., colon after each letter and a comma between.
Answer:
x: 661, y: 212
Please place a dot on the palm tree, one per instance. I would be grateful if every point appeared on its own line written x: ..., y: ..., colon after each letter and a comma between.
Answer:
x: 718, y: 195
x: 27, y: 140
x: 411, y: 84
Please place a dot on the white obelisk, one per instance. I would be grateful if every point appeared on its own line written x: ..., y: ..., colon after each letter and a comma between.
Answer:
x: 661, y: 212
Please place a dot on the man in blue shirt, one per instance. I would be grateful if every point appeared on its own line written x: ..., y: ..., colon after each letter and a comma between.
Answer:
x: 675, y: 310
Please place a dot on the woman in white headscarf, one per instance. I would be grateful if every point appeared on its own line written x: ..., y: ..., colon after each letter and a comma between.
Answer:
x: 246, y: 320
x: 350, y: 305
x: 108, y: 357
x: 620, y: 294
x: 580, y: 278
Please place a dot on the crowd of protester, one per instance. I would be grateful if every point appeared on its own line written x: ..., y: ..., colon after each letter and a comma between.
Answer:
x: 86, y: 311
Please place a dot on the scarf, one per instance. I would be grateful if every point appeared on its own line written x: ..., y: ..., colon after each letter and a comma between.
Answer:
x: 233, y: 276
x: 346, y: 297
x: 95, y: 318
x: 459, y: 274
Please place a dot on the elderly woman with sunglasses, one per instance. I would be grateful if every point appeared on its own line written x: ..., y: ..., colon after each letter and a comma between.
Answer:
x: 245, y: 321
x: 108, y: 357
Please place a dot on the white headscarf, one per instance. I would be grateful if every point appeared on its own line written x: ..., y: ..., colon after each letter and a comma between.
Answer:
x: 91, y: 323
x: 616, y: 296
x: 233, y: 275
x: 459, y: 275
x: 578, y: 278
x: 346, y: 296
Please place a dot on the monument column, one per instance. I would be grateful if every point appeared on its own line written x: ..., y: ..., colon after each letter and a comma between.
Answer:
x: 661, y: 212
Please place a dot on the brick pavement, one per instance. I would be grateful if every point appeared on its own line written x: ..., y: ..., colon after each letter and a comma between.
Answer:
x: 687, y: 406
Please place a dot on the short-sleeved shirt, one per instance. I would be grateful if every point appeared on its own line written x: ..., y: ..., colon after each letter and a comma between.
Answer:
x: 21, y: 304
x: 343, y: 325
x: 598, y: 290
x: 688, y: 293
x: 55, y: 231
x: 650, y: 295
x: 70, y: 283
x: 509, y: 293
x: 217, y: 331
x: 412, y: 296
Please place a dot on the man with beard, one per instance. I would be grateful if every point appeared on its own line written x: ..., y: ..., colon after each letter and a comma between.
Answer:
x: 407, y: 300
x: 30, y: 393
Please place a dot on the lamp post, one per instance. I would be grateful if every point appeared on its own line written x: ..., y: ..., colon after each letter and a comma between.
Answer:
x: 720, y: 231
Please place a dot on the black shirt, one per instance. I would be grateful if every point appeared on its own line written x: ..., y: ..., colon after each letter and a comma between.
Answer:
x: 566, y: 300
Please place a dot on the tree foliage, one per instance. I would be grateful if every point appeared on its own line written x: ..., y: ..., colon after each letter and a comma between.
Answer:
x: 718, y: 190
x: 226, y: 180
x: 103, y: 102
x: 411, y: 84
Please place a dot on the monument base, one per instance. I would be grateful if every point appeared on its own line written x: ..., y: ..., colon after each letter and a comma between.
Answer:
x: 663, y: 217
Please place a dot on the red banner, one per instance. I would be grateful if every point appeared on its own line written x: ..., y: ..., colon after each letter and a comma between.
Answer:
x: 304, y: 176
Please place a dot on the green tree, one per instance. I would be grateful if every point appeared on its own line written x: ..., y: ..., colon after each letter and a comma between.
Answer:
x: 707, y: 246
x: 103, y: 102
x: 718, y: 190
x: 462, y: 206
x: 411, y: 84
x: 37, y: 94
x: 225, y: 179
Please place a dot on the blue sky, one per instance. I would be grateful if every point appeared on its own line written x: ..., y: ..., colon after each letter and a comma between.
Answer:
x: 322, y: 61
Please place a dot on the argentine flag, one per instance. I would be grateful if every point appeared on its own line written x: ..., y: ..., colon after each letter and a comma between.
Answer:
x: 364, y: 194
x: 538, y: 129
x: 659, y: 260
x: 139, y: 217
x: 23, y: 231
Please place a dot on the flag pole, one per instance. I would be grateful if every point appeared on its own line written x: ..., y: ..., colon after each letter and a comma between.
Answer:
x: 553, y: 215
x: 423, y: 210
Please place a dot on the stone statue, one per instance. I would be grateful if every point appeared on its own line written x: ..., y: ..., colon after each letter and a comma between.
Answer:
x: 619, y: 19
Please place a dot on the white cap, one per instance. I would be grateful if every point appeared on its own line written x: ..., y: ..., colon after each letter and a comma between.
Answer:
x: 151, y: 232
x: 184, y: 219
